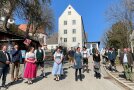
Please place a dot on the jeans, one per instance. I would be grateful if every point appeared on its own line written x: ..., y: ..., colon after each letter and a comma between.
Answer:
x: 3, y: 74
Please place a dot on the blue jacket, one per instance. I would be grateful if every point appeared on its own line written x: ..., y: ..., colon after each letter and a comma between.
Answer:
x: 16, y: 56
x: 112, y: 56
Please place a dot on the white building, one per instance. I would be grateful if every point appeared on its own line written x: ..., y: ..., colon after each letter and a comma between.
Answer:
x: 52, y: 41
x: 71, y: 29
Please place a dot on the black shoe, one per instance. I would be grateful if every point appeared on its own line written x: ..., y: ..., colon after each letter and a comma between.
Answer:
x: 81, y: 80
x: 26, y: 82
x: 4, y: 86
x: 76, y: 79
x: 11, y: 83
x: 44, y: 76
x: 88, y: 71
x: 83, y: 70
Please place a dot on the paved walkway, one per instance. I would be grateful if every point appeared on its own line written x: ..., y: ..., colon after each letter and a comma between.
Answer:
x: 68, y: 82
x: 121, y: 78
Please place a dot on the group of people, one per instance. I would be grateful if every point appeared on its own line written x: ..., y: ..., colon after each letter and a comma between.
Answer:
x: 77, y: 60
x: 11, y: 61
x: 125, y: 57
x: 109, y: 58
x: 34, y: 58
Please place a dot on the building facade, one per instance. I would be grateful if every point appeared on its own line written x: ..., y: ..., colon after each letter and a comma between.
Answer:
x: 71, y: 29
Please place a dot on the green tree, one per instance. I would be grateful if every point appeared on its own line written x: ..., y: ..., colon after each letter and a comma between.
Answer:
x: 117, y: 36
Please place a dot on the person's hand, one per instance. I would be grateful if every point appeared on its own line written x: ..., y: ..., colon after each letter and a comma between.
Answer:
x: 44, y: 58
x: 34, y: 61
x: 59, y: 62
x: 7, y: 62
x: 74, y: 63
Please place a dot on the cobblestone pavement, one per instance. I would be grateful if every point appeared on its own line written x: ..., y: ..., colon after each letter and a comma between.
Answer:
x: 68, y: 81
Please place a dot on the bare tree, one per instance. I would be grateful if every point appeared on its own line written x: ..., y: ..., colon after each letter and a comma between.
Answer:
x: 121, y: 12
x: 29, y: 9
x: 120, y: 16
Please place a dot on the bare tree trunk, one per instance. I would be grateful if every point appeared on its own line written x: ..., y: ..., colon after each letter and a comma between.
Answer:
x: 27, y: 30
x: 34, y: 31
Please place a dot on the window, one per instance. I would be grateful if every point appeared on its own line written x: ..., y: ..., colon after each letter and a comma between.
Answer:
x: 74, y: 31
x: 69, y: 12
x: 65, y: 39
x: 11, y: 20
x: 65, y: 22
x: 74, y: 22
x: 74, y: 39
x: 69, y: 7
x: 65, y: 31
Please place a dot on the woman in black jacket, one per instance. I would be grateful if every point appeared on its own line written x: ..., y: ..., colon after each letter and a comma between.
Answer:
x: 97, y: 60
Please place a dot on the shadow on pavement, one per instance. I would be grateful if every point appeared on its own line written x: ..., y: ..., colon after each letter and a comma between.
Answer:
x: 47, y: 73
x: 37, y: 79
x: 83, y: 76
x: 14, y: 83
x: 65, y: 69
x: 65, y: 74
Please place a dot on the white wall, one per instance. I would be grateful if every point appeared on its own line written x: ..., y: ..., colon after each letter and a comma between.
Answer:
x: 79, y: 28
x: 41, y: 37
x: 52, y: 46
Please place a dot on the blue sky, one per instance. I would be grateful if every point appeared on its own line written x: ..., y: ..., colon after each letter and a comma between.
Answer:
x: 92, y: 11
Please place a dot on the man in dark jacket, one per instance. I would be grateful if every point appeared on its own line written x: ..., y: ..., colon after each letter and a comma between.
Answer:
x: 71, y: 57
x: 16, y: 59
x: 4, y: 64
x: 130, y: 51
x: 112, y: 58
x: 127, y: 62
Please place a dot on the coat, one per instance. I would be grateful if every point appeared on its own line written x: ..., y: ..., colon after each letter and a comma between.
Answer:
x: 3, y: 59
x: 97, y: 58
x: 129, y: 58
x: 112, y: 56
x: 16, y: 55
